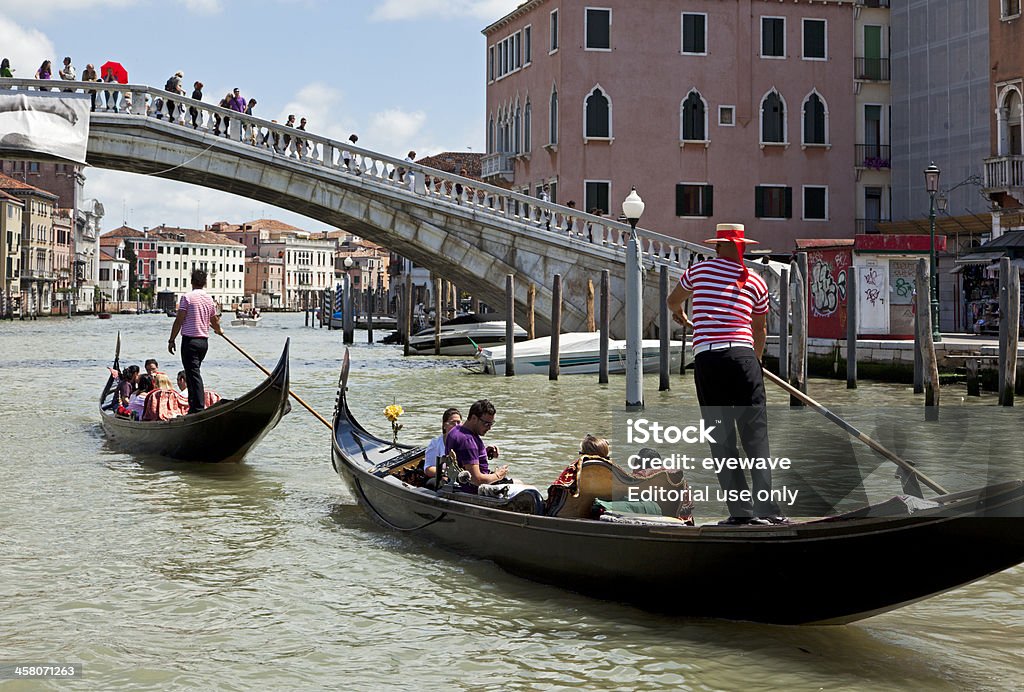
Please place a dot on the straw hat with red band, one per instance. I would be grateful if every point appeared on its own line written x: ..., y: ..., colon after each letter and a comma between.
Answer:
x: 730, y: 233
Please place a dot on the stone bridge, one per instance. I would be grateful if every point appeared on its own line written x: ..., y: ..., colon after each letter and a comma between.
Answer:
x: 469, y: 232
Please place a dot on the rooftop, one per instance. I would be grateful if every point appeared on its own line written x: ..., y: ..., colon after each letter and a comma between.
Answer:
x: 8, y: 183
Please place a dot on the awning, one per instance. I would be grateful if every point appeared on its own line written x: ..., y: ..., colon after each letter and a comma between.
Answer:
x: 979, y: 257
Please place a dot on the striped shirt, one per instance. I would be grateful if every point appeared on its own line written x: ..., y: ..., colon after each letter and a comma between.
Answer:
x: 199, y: 308
x: 721, y: 309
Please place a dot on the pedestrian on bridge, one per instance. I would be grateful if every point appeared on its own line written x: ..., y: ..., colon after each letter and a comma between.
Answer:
x: 197, y: 94
x: 44, y: 72
x: 5, y: 69
x: 174, y: 86
x: 67, y: 72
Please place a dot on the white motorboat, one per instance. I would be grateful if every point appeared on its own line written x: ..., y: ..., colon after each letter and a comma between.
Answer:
x: 579, y: 353
x: 464, y: 336
x: 246, y: 319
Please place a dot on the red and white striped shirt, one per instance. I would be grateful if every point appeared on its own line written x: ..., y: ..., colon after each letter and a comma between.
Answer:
x: 199, y: 308
x: 721, y: 309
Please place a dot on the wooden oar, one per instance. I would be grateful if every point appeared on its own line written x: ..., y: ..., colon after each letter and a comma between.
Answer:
x: 267, y: 373
x: 905, y: 465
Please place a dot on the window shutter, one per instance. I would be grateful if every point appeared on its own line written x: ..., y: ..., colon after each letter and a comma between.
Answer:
x: 680, y: 201
x: 759, y: 202
x: 789, y: 203
x: 709, y: 200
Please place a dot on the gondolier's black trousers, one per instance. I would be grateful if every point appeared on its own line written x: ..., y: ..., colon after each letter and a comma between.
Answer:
x: 730, y: 389
x: 193, y: 351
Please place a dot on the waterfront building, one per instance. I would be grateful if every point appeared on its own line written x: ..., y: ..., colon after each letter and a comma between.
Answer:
x: 872, y: 80
x: 181, y: 250
x: 264, y: 281
x: 11, y: 210
x: 67, y: 181
x: 114, y: 269
x: 143, y: 246
x: 1004, y: 161
x: 62, y: 241
x: 737, y: 110
x: 37, y: 244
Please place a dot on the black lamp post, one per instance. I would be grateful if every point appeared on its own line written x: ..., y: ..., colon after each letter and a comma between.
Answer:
x: 931, y: 179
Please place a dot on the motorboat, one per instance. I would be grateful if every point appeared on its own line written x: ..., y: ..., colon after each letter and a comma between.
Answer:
x: 579, y: 353
x: 464, y: 335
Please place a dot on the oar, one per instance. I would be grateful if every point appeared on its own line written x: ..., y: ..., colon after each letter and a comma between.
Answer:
x: 905, y: 465
x: 267, y: 373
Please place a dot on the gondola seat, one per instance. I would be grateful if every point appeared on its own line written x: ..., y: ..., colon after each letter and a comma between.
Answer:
x: 601, y: 479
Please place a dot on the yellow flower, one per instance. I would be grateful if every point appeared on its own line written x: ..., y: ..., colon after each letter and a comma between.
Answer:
x: 392, y: 412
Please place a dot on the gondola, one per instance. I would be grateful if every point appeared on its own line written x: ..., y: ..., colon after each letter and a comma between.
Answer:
x: 832, y: 570
x: 225, y: 432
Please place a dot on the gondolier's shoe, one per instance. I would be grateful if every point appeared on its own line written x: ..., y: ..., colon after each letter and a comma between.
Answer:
x: 776, y: 520
x: 744, y: 521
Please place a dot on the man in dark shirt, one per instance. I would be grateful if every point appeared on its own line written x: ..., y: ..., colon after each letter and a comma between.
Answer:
x: 470, y: 451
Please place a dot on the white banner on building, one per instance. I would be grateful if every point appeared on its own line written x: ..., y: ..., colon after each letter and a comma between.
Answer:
x: 45, y: 123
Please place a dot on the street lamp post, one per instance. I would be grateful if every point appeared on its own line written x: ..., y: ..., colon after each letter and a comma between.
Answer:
x: 931, y: 178
x: 632, y: 209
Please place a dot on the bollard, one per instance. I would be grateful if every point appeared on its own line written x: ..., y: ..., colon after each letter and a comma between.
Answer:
x: 556, y: 326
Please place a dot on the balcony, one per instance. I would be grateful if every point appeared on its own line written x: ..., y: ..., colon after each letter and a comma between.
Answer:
x: 871, y: 69
x: 496, y: 164
x: 873, y: 3
x: 874, y: 156
x: 869, y: 225
x: 1004, y: 174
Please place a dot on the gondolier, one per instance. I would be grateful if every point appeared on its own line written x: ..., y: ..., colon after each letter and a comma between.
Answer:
x: 730, y: 308
x: 196, y: 314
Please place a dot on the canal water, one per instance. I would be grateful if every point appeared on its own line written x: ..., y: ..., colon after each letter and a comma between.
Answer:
x: 266, y: 574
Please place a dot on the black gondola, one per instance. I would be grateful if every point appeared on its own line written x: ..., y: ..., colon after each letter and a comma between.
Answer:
x: 224, y: 432
x: 833, y: 570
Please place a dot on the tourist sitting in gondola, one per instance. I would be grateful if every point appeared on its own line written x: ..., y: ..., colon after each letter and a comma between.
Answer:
x: 471, y: 452
x: 451, y: 418
x: 137, y: 402
x: 126, y: 380
x: 163, y: 403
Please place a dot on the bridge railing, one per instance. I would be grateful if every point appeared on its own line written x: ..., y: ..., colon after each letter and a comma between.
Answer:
x: 140, y: 101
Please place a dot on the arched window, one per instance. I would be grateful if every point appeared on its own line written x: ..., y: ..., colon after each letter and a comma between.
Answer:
x: 598, y: 117
x: 814, y: 120
x: 553, y: 118
x: 773, y: 118
x: 528, y: 128
x: 694, y: 117
x: 516, y: 130
x: 490, y: 137
x: 1013, y: 108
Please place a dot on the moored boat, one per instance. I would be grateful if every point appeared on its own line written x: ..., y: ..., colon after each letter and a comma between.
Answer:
x: 464, y: 335
x: 223, y: 432
x: 242, y: 321
x: 831, y: 570
x: 579, y: 353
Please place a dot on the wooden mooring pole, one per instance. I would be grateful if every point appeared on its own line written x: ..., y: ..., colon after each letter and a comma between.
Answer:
x: 1009, y: 278
x: 531, y: 299
x: 510, y: 325
x: 438, y: 307
x: 606, y: 326
x: 556, y: 326
x: 798, y: 365
x: 784, y: 308
x: 924, y: 336
x: 851, y: 329
x: 918, y: 358
x: 407, y: 310
x: 591, y: 326
x: 664, y: 322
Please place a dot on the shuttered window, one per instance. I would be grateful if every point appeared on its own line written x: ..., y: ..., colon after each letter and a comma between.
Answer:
x: 694, y: 200
x: 773, y: 202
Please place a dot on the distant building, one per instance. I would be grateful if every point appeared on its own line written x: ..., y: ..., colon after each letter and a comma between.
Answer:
x: 114, y: 269
x: 38, y: 240
x: 144, y: 246
x: 11, y: 211
x: 181, y: 250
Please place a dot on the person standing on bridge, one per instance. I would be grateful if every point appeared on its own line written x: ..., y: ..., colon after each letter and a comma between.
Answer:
x: 408, y: 175
x: 730, y: 310
x: 174, y: 86
x: 5, y: 69
x: 197, y: 313
x: 67, y: 72
x: 44, y: 72
x: 197, y: 95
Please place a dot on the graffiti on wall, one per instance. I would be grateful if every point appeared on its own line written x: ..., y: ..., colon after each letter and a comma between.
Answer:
x: 903, y: 278
x: 827, y: 283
